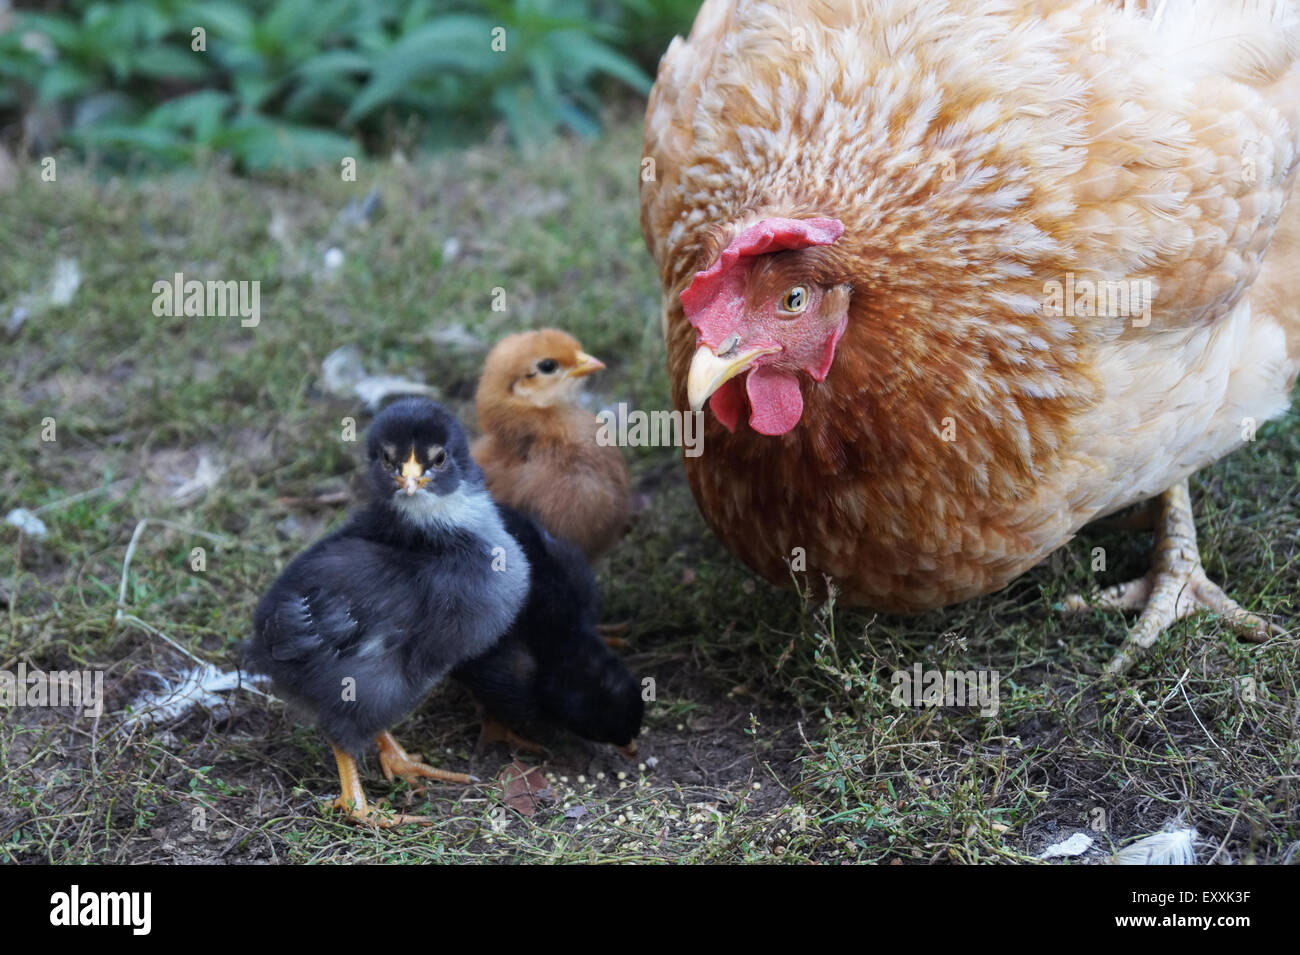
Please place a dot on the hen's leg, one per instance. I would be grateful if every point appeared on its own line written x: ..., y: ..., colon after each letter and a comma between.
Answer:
x: 1176, y: 587
x: 352, y: 799
x: 395, y: 761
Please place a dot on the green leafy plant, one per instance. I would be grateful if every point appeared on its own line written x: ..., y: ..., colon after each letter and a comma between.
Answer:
x: 284, y: 83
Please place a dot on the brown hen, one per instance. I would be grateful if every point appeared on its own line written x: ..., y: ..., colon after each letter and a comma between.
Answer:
x: 956, y: 277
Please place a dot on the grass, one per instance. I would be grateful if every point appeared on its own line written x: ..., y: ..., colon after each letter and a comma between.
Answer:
x: 772, y: 736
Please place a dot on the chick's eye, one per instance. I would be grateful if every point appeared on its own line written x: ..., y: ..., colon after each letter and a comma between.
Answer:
x: 439, y: 460
x: 795, y: 300
x: 547, y: 366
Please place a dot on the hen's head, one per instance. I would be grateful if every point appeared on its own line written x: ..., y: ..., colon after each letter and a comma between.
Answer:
x: 768, y: 308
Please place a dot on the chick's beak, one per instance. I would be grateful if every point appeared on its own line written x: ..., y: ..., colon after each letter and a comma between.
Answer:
x: 586, y: 364
x: 710, y: 371
x: 412, y: 477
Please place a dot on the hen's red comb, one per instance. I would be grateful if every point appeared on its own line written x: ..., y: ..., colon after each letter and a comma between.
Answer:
x: 770, y: 235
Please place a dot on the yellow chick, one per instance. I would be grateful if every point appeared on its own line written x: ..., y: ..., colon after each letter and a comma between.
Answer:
x: 538, y: 448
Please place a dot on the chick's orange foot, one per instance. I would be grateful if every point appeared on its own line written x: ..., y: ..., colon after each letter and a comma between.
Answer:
x: 397, y: 762
x: 494, y: 731
x: 352, y: 799
x: 1175, y: 588
x: 611, y: 633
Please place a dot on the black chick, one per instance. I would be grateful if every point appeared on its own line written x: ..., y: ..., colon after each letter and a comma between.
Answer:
x: 551, y: 668
x: 362, y: 625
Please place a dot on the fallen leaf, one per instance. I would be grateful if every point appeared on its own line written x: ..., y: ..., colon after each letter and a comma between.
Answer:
x: 526, y: 788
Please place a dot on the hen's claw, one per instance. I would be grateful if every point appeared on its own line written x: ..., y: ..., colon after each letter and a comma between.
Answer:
x: 1176, y: 587
x: 395, y: 761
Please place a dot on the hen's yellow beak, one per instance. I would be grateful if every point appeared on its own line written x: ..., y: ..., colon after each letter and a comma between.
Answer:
x: 585, y: 366
x: 412, y: 477
x: 709, y: 372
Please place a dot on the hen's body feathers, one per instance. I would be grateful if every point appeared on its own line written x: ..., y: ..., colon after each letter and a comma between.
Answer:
x: 980, y: 153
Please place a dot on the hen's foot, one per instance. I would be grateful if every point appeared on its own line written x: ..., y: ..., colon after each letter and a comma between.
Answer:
x: 352, y: 799
x: 1176, y: 587
x: 395, y: 761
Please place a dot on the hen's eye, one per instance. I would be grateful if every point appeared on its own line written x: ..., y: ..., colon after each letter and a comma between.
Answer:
x: 795, y: 300
x: 439, y: 460
x: 547, y: 366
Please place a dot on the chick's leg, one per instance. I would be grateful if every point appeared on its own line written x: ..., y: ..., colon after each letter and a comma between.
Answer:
x: 1176, y: 587
x: 609, y: 632
x: 494, y: 731
x: 352, y: 799
x: 396, y: 761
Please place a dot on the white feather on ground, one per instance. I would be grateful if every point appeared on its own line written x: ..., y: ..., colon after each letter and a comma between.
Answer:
x: 1173, y: 846
x: 1076, y: 845
x: 27, y: 522
x: 205, y: 479
x: 197, y: 687
x: 343, y: 375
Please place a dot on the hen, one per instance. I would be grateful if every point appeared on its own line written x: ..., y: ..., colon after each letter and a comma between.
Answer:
x: 956, y: 277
